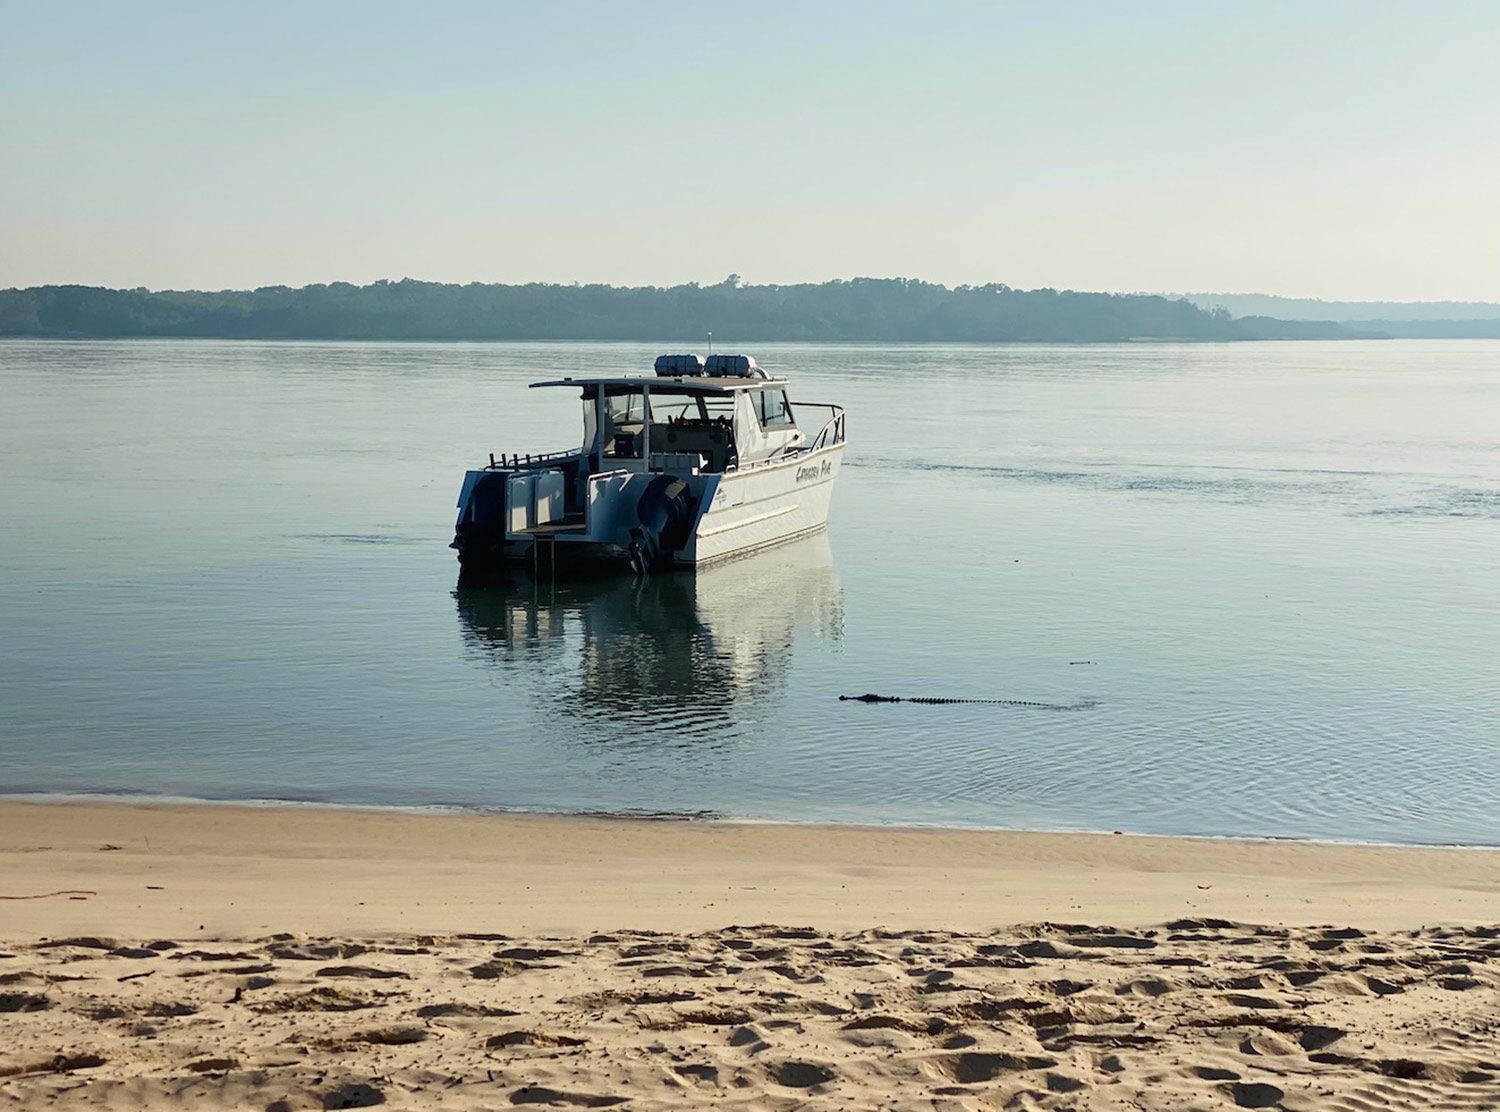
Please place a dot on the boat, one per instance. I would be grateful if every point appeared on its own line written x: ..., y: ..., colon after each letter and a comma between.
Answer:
x: 705, y: 460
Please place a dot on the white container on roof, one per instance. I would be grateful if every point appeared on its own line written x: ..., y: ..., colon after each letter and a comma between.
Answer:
x: 679, y: 366
x: 732, y: 366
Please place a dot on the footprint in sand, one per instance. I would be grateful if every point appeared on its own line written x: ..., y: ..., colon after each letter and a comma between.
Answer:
x: 666, y: 971
x: 1267, y: 1044
x: 80, y: 943
x: 530, y: 1038
x: 1213, y: 1073
x: 1301, y: 978
x: 749, y: 1039
x: 1147, y: 987
x: 715, y: 1018
x: 533, y: 953
x: 537, y: 1094
x: 1249, y: 1000
x: 215, y: 955
x: 1271, y: 981
x: 1459, y: 984
x: 1205, y: 923
x: 315, y: 951
x: 613, y: 998
x: 1316, y: 1038
x: 355, y: 1094
x: 988, y: 1011
x: 871, y: 1022
x: 1254, y: 1095
x: 1112, y: 941
x: 389, y: 1036
x: 494, y: 970
x: 1411, y: 1069
x: 362, y: 971
x: 58, y: 1063
x: 441, y: 1011
x: 1356, y: 984
x: 23, y: 1002
x: 1063, y: 1082
x: 972, y: 1067
x: 164, y: 1009
x: 324, y: 998
x: 802, y: 1075
x: 103, y: 1013
x: 1042, y: 948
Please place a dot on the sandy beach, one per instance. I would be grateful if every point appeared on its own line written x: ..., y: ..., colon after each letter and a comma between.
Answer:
x: 281, y: 958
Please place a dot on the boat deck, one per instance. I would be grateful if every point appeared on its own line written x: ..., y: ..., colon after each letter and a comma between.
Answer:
x: 554, y: 528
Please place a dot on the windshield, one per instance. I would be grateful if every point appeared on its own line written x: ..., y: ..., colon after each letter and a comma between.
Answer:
x: 773, y: 409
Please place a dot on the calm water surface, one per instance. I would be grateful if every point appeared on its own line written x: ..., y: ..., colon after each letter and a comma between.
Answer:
x: 1257, y: 587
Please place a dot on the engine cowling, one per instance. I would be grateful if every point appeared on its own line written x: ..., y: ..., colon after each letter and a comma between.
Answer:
x: 665, y: 512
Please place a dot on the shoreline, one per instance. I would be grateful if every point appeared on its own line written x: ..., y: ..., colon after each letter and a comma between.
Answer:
x: 230, y: 870
x: 462, y: 810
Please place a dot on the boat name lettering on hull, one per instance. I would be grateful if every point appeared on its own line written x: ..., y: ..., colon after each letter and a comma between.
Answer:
x: 814, y: 471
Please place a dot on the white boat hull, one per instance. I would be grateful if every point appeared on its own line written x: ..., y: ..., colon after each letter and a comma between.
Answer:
x: 763, y: 506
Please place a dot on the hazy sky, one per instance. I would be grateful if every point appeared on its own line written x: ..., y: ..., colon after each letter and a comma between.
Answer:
x: 1336, y: 150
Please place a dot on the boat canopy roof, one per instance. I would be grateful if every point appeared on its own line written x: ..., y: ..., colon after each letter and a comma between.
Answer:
x: 693, y: 383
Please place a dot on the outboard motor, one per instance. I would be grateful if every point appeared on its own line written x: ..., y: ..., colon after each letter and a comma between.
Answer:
x: 665, y: 511
x: 479, y: 534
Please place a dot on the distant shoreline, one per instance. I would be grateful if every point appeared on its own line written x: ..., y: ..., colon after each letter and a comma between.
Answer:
x: 892, y: 310
x: 752, y: 342
x: 862, y: 310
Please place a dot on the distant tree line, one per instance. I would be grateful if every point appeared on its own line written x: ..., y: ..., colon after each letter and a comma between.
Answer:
x: 1355, y: 313
x: 880, y: 309
x: 1483, y: 329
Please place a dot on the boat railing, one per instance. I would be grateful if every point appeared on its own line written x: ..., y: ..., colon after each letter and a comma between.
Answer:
x: 832, y: 431
x: 830, y: 434
x: 520, y: 460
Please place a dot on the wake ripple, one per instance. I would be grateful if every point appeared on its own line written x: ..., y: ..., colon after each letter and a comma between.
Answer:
x: 1356, y: 493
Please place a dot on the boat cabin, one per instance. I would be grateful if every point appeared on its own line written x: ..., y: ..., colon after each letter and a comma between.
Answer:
x: 695, y: 416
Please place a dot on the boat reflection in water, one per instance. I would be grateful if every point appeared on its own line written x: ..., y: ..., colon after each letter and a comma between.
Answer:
x: 681, y: 652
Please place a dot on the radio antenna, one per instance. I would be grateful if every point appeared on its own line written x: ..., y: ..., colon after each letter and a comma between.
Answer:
x: 710, y: 343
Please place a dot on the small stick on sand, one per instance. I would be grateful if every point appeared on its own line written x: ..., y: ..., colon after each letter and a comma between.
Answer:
x: 59, y: 892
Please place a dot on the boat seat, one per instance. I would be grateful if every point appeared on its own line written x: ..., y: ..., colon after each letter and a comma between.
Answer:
x: 625, y: 442
x: 709, y: 439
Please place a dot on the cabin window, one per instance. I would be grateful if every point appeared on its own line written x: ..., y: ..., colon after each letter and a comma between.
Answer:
x: 590, y: 421
x: 624, y: 426
x: 667, y: 406
x: 626, y: 409
x: 717, y: 407
x: 773, y: 408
